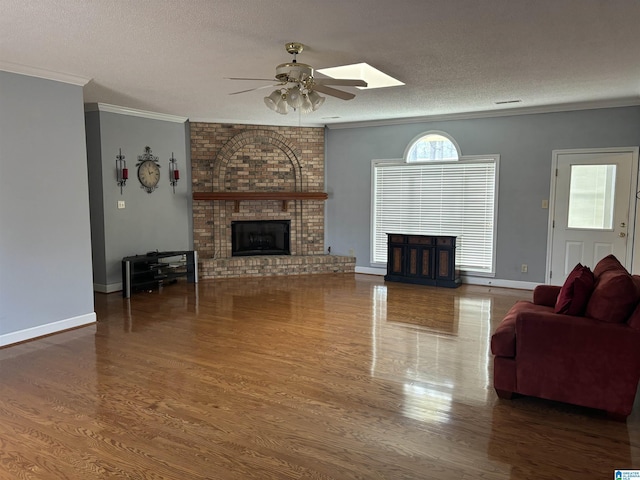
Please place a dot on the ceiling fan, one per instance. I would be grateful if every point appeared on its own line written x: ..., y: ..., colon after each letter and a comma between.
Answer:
x: 298, y: 88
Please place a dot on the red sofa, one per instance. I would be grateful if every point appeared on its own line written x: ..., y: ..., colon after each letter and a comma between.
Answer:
x: 589, y: 357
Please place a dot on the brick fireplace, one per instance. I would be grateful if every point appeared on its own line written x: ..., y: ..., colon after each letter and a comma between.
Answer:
x: 246, y: 173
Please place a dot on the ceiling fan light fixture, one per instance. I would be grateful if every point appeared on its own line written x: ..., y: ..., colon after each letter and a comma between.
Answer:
x: 272, y: 100
x: 316, y: 100
x: 307, y: 106
x: 294, y: 97
x: 282, y: 106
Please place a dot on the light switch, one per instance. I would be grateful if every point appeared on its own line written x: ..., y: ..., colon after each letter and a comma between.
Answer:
x: 120, y: 203
x: 545, y: 203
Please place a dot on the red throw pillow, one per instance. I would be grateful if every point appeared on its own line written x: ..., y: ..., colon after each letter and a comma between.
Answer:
x: 613, y: 298
x: 607, y: 264
x: 575, y: 293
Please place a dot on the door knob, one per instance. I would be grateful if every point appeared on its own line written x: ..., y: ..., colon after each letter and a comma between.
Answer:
x: 622, y: 234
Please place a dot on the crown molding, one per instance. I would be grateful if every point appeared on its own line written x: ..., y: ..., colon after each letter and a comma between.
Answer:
x: 105, y: 107
x: 564, y: 107
x: 42, y: 73
x: 283, y: 123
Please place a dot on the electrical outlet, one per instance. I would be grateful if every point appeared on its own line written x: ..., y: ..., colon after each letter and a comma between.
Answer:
x: 120, y: 203
x: 524, y: 268
x: 352, y: 252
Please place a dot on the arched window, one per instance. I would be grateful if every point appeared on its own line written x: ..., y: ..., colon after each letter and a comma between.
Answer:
x: 432, y: 146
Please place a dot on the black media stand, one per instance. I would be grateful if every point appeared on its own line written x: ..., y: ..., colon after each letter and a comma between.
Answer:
x: 143, y: 272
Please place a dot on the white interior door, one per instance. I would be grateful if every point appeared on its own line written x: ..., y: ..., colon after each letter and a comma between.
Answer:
x: 591, y: 207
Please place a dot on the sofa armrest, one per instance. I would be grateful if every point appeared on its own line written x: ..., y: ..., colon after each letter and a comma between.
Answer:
x: 546, y: 295
x: 577, y: 360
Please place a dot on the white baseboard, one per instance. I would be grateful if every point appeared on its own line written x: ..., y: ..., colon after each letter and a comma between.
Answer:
x: 112, y: 287
x: 487, y: 281
x: 47, y: 329
x: 371, y: 270
x: 496, y: 282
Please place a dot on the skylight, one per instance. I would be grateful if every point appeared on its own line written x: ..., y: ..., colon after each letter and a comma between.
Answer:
x: 363, y: 71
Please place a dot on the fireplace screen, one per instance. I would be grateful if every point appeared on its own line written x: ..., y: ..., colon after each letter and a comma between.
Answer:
x: 261, y: 237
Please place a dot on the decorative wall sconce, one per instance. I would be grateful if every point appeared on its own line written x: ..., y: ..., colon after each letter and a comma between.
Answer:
x: 174, y: 173
x: 122, y: 172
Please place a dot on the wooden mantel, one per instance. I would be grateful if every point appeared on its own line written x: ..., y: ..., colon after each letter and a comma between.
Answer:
x: 237, y: 197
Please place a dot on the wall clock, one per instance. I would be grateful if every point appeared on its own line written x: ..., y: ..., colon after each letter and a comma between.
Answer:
x: 148, y: 170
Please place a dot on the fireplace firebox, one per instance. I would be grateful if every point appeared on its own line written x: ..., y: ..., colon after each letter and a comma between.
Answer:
x: 260, y: 237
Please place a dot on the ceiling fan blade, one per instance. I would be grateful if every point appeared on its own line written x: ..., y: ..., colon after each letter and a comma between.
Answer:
x: 333, y: 92
x: 343, y: 82
x: 243, y: 78
x: 258, y: 88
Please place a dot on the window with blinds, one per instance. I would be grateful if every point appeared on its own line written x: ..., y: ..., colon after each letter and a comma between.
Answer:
x: 438, y: 198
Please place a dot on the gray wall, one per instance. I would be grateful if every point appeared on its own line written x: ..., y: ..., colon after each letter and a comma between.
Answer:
x: 524, y: 143
x: 45, y: 243
x: 160, y: 220
x: 96, y: 200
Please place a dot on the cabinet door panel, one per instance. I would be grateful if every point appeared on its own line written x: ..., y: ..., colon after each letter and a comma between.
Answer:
x: 445, y: 264
x: 420, y: 262
x: 426, y: 263
x: 412, y: 261
x: 396, y: 254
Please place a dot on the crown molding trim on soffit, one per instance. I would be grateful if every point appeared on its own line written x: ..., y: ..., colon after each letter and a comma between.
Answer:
x: 42, y: 73
x: 563, y: 107
x: 134, y: 112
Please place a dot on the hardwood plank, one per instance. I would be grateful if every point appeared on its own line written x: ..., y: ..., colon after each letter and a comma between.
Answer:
x: 325, y: 376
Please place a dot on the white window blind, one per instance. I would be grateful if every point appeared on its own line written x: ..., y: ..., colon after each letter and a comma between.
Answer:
x: 453, y: 198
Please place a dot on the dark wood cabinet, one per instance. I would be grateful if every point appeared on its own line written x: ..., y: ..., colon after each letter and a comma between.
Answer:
x: 142, y: 272
x: 423, y: 259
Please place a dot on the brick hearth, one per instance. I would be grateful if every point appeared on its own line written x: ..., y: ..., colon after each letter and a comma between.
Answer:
x: 273, y: 265
x: 251, y: 158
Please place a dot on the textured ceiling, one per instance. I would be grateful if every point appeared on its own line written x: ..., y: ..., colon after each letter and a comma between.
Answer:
x: 455, y: 56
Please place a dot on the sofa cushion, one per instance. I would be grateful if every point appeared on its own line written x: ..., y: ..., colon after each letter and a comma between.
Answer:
x: 575, y: 293
x: 615, y: 294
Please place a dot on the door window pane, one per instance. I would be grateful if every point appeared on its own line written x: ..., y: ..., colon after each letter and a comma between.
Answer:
x: 591, y: 196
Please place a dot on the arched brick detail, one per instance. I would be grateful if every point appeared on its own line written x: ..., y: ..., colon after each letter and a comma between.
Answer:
x: 228, y: 157
x: 256, y: 137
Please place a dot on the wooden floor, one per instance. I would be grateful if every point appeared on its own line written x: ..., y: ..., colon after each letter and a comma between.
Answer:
x: 316, y: 377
